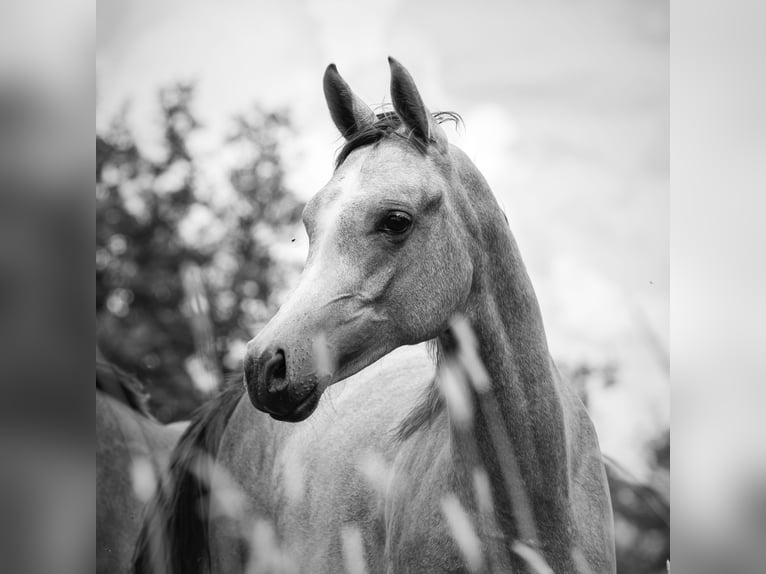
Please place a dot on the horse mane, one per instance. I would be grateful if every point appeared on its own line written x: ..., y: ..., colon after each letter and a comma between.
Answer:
x: 389, y: 124
x: 122, y: 387
x: 423, y: 414
x: 431, y: 401
x: 174, y: 533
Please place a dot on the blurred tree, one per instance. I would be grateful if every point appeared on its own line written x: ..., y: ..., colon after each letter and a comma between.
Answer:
x: 642, y: 513
x: 583, y: 375
x: 641, y: 507
x: 183, y: 277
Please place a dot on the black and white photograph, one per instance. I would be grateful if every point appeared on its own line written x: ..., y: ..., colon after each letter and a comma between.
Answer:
x: 382, y: 287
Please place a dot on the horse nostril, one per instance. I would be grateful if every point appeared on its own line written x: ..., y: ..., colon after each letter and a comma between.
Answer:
x: 275, y: 372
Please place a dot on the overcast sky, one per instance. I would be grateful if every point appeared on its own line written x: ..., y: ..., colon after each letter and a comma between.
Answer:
x: 565, y: 106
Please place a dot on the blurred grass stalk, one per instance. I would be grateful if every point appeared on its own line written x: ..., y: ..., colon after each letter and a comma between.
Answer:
x: 203, y: 367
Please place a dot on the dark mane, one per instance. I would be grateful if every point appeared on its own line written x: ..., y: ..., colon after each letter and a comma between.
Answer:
x: 389, y: 124
x: 423, y: 414
x: 122, y: 387
x: 174, y: 533
x: 431, y: 400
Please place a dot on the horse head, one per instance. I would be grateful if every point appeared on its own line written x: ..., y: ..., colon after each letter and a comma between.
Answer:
x: 390, y: 258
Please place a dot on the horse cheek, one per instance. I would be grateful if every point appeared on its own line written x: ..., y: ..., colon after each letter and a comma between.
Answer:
x: 432, y: 297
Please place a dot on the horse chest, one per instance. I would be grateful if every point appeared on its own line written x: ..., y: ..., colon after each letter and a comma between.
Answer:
x: 323, y: 497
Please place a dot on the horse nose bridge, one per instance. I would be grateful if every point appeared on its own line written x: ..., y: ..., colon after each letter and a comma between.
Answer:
x: 283, y: 349
x: 299, y: 320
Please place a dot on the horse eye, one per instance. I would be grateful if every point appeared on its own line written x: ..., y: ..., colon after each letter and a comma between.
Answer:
x: 396, y: 222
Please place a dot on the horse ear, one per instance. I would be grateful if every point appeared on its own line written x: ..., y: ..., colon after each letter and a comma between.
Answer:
x: 408, y: 103
x: 348, y: 111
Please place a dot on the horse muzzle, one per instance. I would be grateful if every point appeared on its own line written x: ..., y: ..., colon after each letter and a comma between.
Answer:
x: 271, y: 390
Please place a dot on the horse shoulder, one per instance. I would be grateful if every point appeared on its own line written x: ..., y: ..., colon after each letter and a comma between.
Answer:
x: 345, y: 453
x: 320, y: 480
x: 417, y: 536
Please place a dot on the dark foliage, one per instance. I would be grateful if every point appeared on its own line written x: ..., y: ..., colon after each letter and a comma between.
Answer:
x: 642, y: 514
x: 641, y: 506
x: 182, y: 276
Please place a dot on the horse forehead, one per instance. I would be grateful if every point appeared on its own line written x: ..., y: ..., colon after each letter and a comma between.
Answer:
x: 398, y: 163
x: 374, y: 175
x: 384, y: 172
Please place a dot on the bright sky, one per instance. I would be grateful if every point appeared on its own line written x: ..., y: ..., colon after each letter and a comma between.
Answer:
x: 566, y: 114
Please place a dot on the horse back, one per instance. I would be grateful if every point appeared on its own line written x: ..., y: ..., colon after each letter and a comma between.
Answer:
x: 123, y: 437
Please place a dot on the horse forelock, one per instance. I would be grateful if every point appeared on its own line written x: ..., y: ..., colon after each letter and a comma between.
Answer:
x: 388, y: 124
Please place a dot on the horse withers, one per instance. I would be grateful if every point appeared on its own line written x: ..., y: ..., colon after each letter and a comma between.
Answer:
x: 482, y: 460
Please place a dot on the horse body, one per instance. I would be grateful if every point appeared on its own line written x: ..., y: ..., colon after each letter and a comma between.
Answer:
x: 328, y: 459
x: 404, y: 238
x: 124, y: 434
x: 312, y: 478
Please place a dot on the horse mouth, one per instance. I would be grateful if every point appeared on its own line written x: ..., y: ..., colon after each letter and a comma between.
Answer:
x: 302, y: 411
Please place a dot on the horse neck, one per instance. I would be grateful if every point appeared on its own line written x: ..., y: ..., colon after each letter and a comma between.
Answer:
x: 503, y: 311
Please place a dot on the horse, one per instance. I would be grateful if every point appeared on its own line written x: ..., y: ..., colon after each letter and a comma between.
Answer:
x: 126, y: 435
x: 408, y: 415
